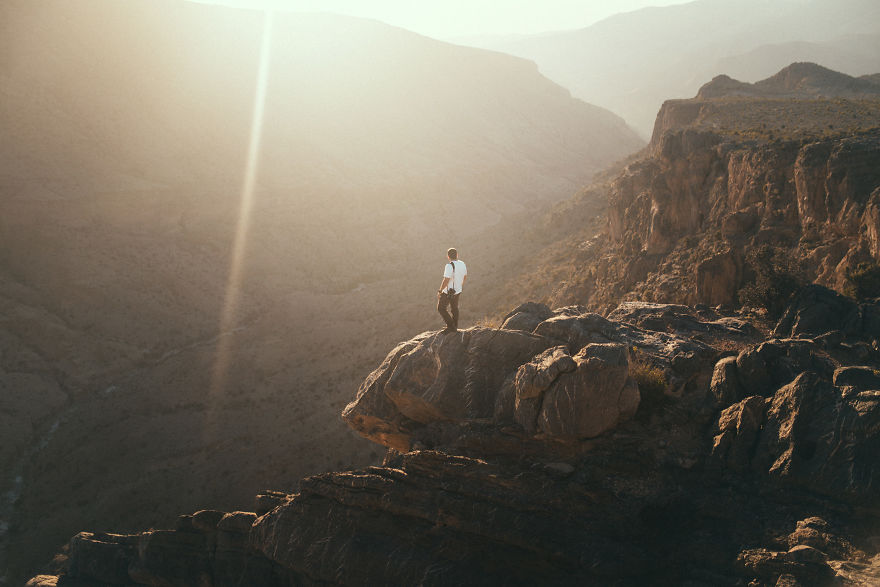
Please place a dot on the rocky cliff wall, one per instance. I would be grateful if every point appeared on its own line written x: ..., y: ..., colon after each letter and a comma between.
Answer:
x: 682, y: 221
x: 746, y: 457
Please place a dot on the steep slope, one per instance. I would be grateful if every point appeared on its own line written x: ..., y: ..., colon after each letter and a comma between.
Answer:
x: 137, y: 368
x: 741, y: 168
x: 657, y: 444
x: 630, y: 63
x: 757, y: 468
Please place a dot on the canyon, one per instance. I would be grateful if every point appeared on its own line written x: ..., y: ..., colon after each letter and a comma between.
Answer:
x: 632, y: 424
x: 165, y: 297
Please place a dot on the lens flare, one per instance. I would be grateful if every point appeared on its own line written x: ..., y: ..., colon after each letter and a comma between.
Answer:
x: 236, y: 264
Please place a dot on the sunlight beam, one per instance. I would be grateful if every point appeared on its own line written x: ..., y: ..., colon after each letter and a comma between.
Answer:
x: 236, y: 265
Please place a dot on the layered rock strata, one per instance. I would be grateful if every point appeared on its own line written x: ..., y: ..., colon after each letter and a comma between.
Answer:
x: 785, y: 165
x: 749, y: 460
x: 681, y: 224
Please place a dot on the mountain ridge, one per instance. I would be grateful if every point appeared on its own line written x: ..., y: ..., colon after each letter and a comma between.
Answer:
x: 126, y: 135
x: 804, y: 79
x: 632, y: 62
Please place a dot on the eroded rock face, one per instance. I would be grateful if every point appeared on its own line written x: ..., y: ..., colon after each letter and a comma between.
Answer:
x: 683, y: 220
x: 595, y: 397
x: 208, y: 548
x: 569, y: 378
x: 812, y: 432
x: 437, y: 377
x: 817, y: 310
x: 550, y: 466
x: 448, y: 520
x: 738, y: 429
x: 816, y: 437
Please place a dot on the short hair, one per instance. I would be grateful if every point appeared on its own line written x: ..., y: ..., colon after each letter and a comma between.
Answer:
x: 452, y: 254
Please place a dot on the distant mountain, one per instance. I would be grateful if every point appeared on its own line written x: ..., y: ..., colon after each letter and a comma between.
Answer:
x: 136, y: 373
x: 801, y: 100
x: 801, y: 80
x: 788, y: 165
x: 631, y: 62
x: 650, y: 444
x: 850, y: 53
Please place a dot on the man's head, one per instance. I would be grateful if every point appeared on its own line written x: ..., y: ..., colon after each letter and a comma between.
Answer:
x: 452, y: 254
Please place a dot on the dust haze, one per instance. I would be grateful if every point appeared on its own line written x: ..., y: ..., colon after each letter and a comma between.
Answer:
x: 216, y: 222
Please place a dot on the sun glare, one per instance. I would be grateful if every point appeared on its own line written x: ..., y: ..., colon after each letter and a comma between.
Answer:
x: 236, y: 264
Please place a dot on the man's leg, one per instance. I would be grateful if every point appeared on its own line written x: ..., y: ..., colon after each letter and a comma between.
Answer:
x: 442, y: 302
x: 454, y: 305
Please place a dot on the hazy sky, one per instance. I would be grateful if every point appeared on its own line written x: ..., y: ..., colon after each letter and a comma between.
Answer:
x: 451, y: 18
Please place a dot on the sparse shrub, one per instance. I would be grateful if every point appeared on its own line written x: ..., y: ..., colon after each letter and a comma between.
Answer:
x: 650, y: 378
x: 778, y: 275
x: 489, y: 322
x: 652, y: 388
x: 864, y: 281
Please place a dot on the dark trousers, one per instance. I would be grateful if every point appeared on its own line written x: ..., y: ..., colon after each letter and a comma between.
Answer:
x: 452, y: 302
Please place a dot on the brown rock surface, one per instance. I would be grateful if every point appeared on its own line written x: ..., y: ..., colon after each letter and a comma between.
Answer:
x: 723, y: 176
x: 574, y: 390
x: 595, y: 397
x: 739, y: 427
x: 138, y: 380
x: 702, y: 485
x: 769, y: 490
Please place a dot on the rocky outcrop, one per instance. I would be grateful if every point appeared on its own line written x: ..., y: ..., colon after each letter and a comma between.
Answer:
x: 207, y: 548
x: 813, y: 554
x: 682, y: 223
x: 662, y: 444
x: 448, y: 520
x: 812, y: 433
x: 735, y: 169
x: 564, y: 374
x: 817, y: 311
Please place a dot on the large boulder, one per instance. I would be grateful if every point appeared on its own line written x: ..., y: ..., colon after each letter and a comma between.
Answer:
x: 502, y: 375
x: 563, y: 374
x: 816, y: 310
x: 738, y: 429
x: 599, y: 394
x: 725, y: 386
x: 761, y: 369
x: 811, y: 433
x: 438, y: 377
x: 578, y: 330
x: 532, y: 380
x: 816, y: 437
x: 526, y: 316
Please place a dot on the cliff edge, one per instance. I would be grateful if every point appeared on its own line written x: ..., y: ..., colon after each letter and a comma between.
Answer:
x: 662, y: 444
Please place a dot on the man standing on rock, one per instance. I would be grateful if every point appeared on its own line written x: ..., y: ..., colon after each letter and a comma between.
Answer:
x: 454, y: 276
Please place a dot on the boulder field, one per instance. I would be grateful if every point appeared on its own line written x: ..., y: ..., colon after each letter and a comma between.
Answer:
x: 662, y: 444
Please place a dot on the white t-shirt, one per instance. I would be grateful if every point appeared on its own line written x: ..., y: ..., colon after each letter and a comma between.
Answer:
x: 460, y: 271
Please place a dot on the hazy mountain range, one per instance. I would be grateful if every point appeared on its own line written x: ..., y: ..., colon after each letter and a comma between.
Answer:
x: 655, y: 443
x: 137, y: 378
x: 631, y: 62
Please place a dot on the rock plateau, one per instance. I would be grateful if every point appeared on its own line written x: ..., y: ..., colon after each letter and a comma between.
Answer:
x: 661, y: 445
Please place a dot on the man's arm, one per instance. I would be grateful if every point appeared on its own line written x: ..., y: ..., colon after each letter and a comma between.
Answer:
x: 443, y: 285
x: 463, y: 279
